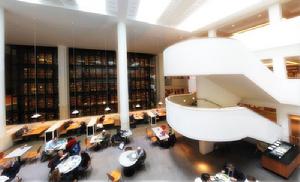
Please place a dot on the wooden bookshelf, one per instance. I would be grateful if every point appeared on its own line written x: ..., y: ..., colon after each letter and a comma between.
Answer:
x: 141, y: 80
x: 96, y: 81
x: 293, y: 71
x: 176, y: 85
x: 20, y: 83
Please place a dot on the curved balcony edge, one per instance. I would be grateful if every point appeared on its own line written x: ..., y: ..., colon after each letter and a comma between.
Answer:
x: 218, y: 124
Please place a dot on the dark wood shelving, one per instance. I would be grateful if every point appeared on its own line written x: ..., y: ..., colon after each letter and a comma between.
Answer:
x: 141, y: 81
x: 20, y: 83
x: 95, y: 71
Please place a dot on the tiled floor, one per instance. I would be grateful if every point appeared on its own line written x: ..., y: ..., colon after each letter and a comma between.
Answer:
x: 183, y: 162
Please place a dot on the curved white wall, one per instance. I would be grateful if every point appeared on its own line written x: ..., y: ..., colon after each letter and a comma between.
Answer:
x: 221, y: 56
x: 225, y: 124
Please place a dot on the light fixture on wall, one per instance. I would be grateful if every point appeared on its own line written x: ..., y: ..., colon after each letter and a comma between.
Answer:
x: 75, y: 111
x: 107, y: 108
x: 160, y: 103
x: 36, y: 115
x: 138, y: 105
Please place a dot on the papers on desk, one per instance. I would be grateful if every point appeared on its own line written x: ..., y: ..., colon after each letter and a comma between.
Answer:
x: 18, y: 152
x: 128, y: 158
x: 96, y: 139
x: 160, y: 133
x: 58, y: 145
x: 69, y: 164
x: 3, y: 178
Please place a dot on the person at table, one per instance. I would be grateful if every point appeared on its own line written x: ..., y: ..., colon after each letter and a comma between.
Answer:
x: 106, y: 138
x: 141, y: 156
x: 71, y: 142
x: 76, y: 148
x: 11, y: 169
x: 51, y: 144
x: 84, y: 164
x: 60, y: 156
x: 233, y: 172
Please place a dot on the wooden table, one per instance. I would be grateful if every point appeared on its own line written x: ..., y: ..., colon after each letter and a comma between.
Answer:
x: 36, y: 131
x: 158, y: 132
x: 108, y: 121
x: 73, y: 126
x: 138, y: 115
x: 18, y: 152
x: 283, y: 166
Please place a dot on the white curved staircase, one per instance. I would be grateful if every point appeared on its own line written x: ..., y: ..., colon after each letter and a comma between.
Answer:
x: 218, y: 124
x: 229, y: 68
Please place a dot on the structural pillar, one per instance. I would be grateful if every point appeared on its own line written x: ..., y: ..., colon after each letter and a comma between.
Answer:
x: 122, y: 76
x: 279, y: 67
x: 5, y: 139
x: 63, y: 82
x: 161, y: 79
x: 205, y: 147
x: 275, y: 16
x: 275, y: 13
x: 212, y: 33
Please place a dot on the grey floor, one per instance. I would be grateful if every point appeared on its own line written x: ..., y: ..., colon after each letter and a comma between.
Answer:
x: 183, y: 162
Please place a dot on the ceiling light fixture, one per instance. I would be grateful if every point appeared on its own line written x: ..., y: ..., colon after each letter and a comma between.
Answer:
x: 212, y: 11
x: 31, y: 1
x: 150, y: 10
x: 92, y: 6
x: 36, y: 115
x: 283, y: 33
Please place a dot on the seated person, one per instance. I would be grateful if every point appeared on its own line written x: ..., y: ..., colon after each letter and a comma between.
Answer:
x: 60, y: 156
x: 171, y: 139
x: 71, y: 142
x: 106, y: 138
x: 11, y: 169
x: 233, y: 172
x: 141, y: 156
x: 205, y: 177
x: 21, y: 131
x: 55, y: 176
x: 84, y: 164
x: 75, y: 150
x: 83, y: 127
x: 51, y: 144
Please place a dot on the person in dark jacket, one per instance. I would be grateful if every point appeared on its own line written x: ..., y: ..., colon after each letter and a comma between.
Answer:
x: 71, y: 142
x: 60, y: 156
x: 11, y: 170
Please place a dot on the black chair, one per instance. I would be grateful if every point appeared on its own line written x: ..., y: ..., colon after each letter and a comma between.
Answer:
x: 12, y: 172
x: 205, y: 177
x: 132, y: 122
x: 141, y: 160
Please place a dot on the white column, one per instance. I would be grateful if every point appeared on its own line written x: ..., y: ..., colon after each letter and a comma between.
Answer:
x: 2, y: 72
x: 212, y: 33
x: 122, y: 76
x: 205, y: 147
x: 283, y: 120
x: 275, y: 16
x: 275, y: 13
x: 5, y: 140
x: 192, y: 84
x: 161, y: 78
x: 279, y: 67
x: 63, y: 82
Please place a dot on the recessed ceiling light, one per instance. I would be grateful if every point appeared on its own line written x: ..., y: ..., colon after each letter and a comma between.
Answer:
x: 92, y: 6
x: 284, y: 33
x: 31, y: 1
x: 150, y: 10
x: 259, y: 15
x: 233, y: 25
x: 212, y: 11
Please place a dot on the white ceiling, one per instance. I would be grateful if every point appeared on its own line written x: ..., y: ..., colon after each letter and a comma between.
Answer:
x: 53, y: 20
